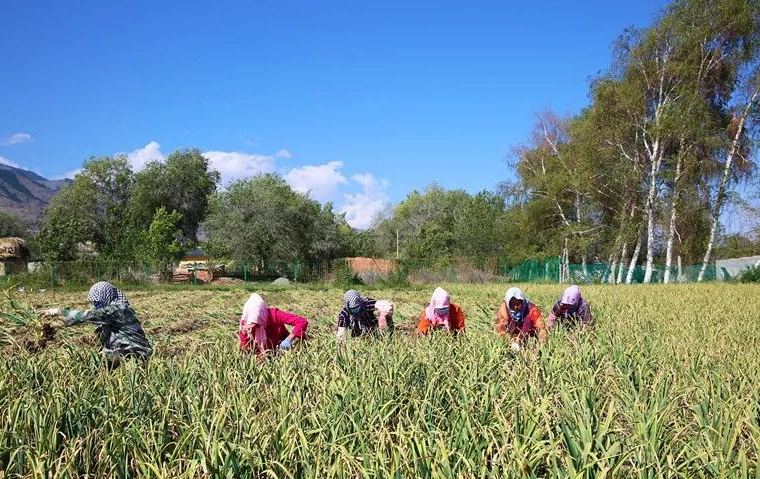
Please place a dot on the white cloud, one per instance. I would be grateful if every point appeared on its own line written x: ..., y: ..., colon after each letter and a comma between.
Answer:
x: 283, y: 154
x: 361, y: 208
x: 320, y: 181
x: 7, y: 162
x: 141, y: 156
x: 234, y: 165
x: 17, y: 138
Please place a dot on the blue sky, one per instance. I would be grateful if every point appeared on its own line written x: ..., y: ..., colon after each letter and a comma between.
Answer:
x: 358, y: 102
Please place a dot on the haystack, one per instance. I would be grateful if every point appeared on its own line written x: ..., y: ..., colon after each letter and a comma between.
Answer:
x: 13, y: 256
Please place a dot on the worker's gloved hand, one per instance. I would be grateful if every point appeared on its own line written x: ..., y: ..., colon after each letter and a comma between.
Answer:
x: 515, y: 346
x: 49, y: 312
x: 286, y: 344
x: 341, y: 336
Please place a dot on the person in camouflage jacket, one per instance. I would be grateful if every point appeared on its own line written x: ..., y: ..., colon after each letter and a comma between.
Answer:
x: 120, y: 332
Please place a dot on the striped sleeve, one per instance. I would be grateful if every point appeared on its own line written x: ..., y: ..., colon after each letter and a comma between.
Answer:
x: 343, y: 318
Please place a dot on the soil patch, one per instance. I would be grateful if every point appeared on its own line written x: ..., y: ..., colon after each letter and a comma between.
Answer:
x: 37, y: 340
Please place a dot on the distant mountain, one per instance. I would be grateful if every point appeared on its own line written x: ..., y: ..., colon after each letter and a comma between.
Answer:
x: 25, y: 194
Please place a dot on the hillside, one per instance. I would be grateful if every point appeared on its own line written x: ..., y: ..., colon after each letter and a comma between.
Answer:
x: 25, y: 194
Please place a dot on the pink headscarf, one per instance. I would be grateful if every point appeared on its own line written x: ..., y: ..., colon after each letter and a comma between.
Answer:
x: 255, y: 312
x: 440, y: 299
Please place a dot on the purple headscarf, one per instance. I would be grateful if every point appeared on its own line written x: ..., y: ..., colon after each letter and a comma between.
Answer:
x: 572, y: 298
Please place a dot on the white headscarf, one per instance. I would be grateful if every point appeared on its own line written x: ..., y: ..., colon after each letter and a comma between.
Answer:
x: 517, y: 293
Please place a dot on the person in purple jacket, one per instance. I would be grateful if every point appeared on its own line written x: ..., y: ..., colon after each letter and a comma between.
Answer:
x: 571, y: 310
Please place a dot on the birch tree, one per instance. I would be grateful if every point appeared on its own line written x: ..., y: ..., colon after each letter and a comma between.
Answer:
x: 738, y: 135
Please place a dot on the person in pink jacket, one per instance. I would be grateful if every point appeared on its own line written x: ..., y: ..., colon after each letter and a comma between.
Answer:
x: 262, y: 329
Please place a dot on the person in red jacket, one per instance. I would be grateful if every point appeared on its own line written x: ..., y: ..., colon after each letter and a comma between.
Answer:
x: 262, y: 329
x: 520, y: 319
x: 441, y: 314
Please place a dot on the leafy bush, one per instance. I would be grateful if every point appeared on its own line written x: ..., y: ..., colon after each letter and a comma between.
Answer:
x: 343, y: 275
x: 752, y: 275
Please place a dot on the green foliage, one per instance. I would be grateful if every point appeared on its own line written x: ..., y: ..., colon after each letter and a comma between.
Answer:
x: 182, y: 183
x: 163, y: 238
x: 752, y: 275
x: 263, y: 220
x: 92, y: 209
x: 641, y: 164
x: 397, y: 278
x: 358, y: 243
x: 10, y: 226
x: 331, y: 235
x: 343, y: 276
x: 737, y: 246
x: 440, y: 224
x: 110, y: 207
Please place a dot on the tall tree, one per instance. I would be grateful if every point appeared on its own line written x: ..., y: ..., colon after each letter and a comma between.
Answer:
x: 737, y: 150
x: 163, y: 240
x: 93, y: 208
x: 183, y: 183
x: 261, y: 219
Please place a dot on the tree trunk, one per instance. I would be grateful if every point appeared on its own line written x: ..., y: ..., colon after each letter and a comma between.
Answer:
x: 721, y: 196
x: 584, y: 267
x: 673, y: 218
x: 656, y: 160
x: 565, y: 263
x: 613, y: 270
x: 680, y: 270
x: 622, y: 263
x: 613, y: 260
x: 635, y: 256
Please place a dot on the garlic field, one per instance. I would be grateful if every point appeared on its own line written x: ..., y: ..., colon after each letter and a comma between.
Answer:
x: 666, y: 385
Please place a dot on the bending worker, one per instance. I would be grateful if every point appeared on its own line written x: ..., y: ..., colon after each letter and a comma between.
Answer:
x: 441, y: 314
x: 519, y: 319
x: 262, y: 329
x: 571, y: 310
x: 120, y: 332
x: 358, y: 316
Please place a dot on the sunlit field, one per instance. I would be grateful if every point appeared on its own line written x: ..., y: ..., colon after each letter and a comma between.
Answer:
x: 668, y: 384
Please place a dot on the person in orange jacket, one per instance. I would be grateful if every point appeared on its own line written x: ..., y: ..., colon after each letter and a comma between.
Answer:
x: 441, y: 314
x: 520, y: 319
